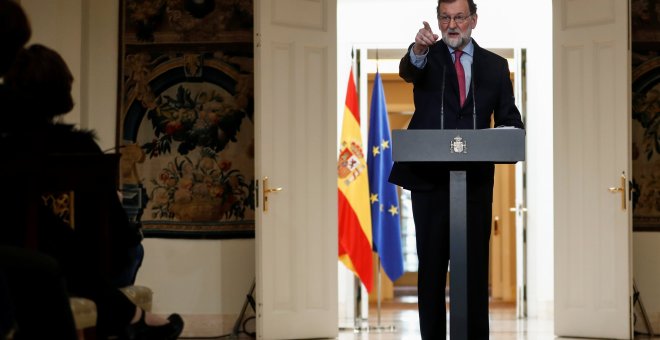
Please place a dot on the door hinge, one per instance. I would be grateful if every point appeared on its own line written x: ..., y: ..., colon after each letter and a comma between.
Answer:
x: 256, y: 193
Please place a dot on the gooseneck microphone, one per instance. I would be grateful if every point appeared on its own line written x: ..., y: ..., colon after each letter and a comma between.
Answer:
x: 442, y: 99
x: 474, y: 101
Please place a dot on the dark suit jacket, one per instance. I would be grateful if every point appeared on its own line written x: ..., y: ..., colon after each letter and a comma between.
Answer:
x: 493, y: 93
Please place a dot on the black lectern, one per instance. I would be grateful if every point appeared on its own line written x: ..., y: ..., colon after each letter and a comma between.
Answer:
x: 499, y: 145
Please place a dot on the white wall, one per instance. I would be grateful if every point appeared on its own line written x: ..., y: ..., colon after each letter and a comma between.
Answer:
x: 501, y: 24
x: 198, y: 276
x: 187, y: 276
x: 646, y: 272
x: 99, y: 69
x: 57, y: 24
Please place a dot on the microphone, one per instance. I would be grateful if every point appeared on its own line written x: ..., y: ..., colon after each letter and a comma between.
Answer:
x: 442, y: 99
x: 474, y: 101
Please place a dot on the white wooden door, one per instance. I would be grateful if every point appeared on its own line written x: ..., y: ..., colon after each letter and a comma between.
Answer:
x: 593, y: 281
x: 295, y: 147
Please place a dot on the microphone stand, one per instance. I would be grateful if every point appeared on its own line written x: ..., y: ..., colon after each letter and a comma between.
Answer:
x: 442, y: 99
x: 474, y: 102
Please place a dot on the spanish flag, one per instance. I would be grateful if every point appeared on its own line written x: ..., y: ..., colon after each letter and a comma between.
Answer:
x: 354, y: 208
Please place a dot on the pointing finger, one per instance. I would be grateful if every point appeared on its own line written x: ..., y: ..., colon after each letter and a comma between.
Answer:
x: 427, y: 26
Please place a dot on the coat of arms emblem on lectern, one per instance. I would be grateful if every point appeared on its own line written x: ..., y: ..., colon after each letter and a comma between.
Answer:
x: 458, y: 145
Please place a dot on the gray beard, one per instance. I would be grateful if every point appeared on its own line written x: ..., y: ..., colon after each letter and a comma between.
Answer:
x: 455, y: 44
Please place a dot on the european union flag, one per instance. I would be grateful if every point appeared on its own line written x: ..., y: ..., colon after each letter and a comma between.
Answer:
x: 385, y: 218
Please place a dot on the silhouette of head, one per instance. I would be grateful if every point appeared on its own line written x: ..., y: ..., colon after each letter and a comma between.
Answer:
x: 43, y: 80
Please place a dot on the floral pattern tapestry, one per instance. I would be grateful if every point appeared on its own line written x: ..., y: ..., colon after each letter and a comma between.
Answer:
x: 185, y: 120
x: 645, y: 21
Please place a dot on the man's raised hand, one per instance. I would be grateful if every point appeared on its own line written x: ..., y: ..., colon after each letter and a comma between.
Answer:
x: 424, y: 38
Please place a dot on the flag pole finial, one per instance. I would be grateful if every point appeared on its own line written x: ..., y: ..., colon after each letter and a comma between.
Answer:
x: 377, y: 60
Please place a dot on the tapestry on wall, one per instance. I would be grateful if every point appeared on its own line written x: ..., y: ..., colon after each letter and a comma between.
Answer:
x: 645, y: 17
x: 185, y: 118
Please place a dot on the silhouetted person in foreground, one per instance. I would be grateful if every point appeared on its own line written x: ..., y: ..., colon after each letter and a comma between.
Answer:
x: 40, y: 82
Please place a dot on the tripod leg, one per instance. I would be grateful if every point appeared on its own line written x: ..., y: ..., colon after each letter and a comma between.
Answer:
x: 638, y: 298
x: 248, y: 300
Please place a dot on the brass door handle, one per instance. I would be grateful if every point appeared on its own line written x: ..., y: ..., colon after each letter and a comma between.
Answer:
x: 519, y: 210
x: 621, y: 190
x: 267, y: 191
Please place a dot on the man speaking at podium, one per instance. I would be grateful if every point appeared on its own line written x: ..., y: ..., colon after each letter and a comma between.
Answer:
x: 457, y: 85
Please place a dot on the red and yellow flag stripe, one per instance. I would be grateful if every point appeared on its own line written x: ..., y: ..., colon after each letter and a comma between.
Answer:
x: 353, y: 191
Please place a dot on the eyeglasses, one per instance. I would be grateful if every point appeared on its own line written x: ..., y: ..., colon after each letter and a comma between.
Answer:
x: 459, y: 19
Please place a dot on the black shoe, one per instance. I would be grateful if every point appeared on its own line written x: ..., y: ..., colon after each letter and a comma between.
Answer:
x: 141, y: 331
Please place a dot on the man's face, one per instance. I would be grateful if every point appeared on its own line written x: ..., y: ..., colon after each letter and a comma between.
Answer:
x: 456, y: 35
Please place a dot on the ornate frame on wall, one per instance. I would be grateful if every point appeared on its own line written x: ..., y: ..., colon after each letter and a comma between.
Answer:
x: 185, y: 121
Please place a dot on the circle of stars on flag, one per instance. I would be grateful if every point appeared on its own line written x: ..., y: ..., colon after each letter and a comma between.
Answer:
x: 384, y: 144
